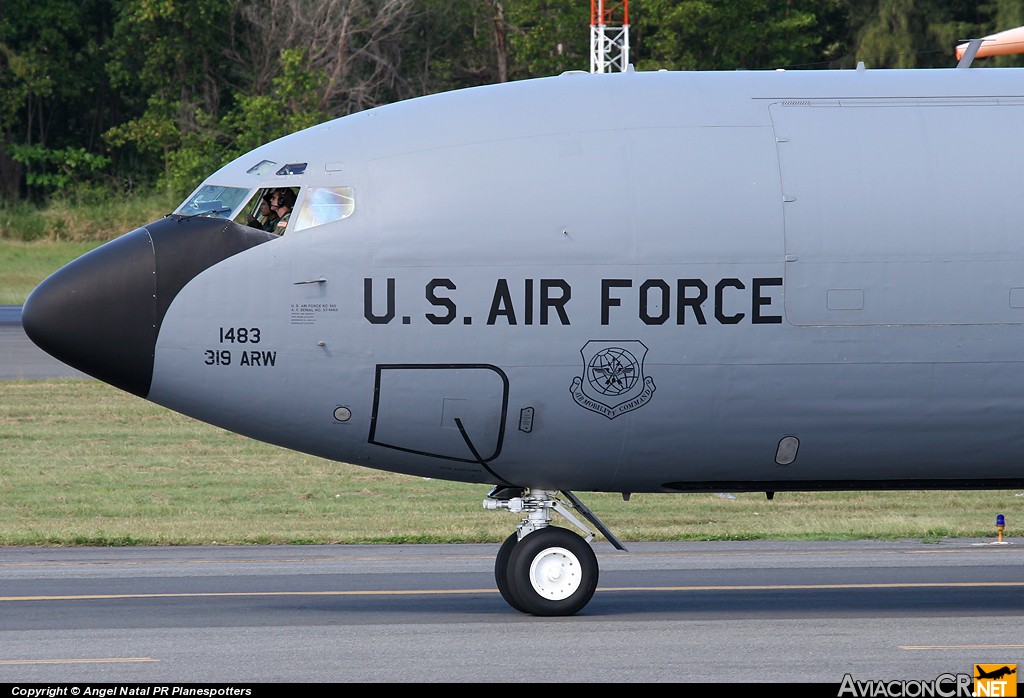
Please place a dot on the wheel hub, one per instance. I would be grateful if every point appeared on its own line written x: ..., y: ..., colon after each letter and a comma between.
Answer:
x: 555, y: 574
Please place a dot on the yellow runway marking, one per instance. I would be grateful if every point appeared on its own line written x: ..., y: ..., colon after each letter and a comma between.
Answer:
x: 961, y: 647
x: 239, y: 561
x: 420, y: 592
x: 221, y: 594
x: 788, y: 587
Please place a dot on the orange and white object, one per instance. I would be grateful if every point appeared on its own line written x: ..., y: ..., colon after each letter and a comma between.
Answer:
x: 1004, y: 43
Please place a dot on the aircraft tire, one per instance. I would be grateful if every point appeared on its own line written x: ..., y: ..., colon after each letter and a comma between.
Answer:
x: 552, y: 572
x: 501, y: 571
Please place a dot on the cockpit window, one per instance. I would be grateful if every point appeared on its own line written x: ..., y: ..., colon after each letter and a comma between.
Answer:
x: 214, y: 201
x: 262, y: 167
x: 295, y: 168
x: 324, y: 205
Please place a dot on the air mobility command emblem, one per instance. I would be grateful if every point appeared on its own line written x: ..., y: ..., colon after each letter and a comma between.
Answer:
x: 613, y: 380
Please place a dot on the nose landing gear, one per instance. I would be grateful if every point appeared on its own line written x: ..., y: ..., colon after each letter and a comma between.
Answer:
x: 541, y: 569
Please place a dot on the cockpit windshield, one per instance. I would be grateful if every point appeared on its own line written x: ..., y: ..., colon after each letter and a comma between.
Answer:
x: 323, y: 205
x: 214, y: 201
x: 270, y: 208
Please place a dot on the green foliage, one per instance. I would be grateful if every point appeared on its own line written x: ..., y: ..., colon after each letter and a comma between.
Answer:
x: 549, y: 37
x: 23, y: 265
x: 139, y: 94
x: 167, y: 58
x: 22, y: 221
x: 750, y: 34
x: 196, y: 154
x: 152, y: 132
x: 61, y: 171
x: 46, y: 58
x: 891, y: 39
x: 925, y: 33
x: 168, y: 45
x: 454, y: 42
x: 290, y: 105
x: 192, y: 149
x: 997, y: 16
x: 52, y: 85
x: 92, y: 215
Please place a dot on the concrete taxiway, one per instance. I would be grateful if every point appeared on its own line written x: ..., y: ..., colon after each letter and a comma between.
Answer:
x: 721, y: 612
x: 20, y: 358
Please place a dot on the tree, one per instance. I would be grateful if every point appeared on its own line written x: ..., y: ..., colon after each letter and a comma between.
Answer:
x: 925, y: 33
x: 750, y: 34
x: 548, y: 37
x: 148, y: 91
x: 167, y: 61
x: 356, y: 46
x: 51, y: 94
x: 452, y: 45
x: 998, y: 16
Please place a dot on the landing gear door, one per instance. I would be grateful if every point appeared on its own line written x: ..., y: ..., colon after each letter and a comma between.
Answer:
x: 452, y: 411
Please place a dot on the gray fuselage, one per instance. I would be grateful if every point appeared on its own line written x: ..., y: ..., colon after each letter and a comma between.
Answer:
x: 639, y: 282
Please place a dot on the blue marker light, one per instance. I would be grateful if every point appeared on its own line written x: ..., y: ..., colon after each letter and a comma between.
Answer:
x: 1000, y: 521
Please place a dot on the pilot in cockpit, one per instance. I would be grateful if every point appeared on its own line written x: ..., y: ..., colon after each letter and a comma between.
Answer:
x: 282, y: 201
x: 267, y: 219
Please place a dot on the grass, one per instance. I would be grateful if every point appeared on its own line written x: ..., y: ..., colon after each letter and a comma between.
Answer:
x: 35, y: 242
x: 24, y: 264
x: 82, y: 463
x: 86, y: 216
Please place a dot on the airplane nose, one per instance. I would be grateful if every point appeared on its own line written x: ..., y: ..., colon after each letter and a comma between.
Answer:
x: 98, y: 313
x: 102, y: 312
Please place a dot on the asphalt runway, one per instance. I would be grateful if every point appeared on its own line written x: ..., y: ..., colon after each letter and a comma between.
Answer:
x: 723, y: 612
x: 696, y: 612
x: 20, y: 358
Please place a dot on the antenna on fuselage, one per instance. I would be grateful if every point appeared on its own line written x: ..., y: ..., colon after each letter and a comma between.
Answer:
x: 609, y: 36
x: 1004, y: 43
x: 968, y: 53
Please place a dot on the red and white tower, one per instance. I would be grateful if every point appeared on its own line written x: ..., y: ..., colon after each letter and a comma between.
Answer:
x: 609, y: 36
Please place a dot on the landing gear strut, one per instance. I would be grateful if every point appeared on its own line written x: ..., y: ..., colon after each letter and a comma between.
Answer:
x: 542, y: 569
